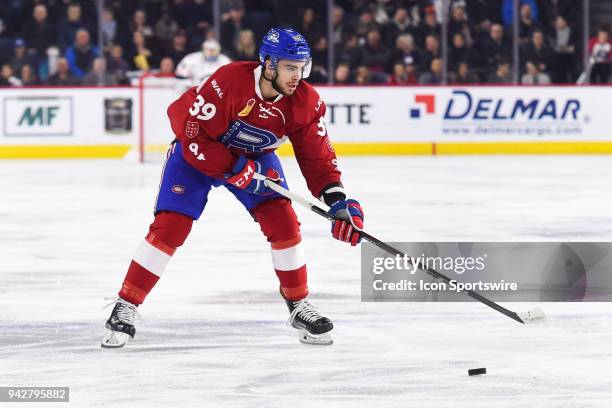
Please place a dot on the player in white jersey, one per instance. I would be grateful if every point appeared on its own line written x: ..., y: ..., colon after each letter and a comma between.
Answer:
x: 198, y: 66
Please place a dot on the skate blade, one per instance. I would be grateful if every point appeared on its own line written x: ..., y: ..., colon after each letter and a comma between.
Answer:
x: 324, y: 339
x: 114, y: 339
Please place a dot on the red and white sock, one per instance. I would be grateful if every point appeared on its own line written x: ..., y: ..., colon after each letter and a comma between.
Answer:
x: 167, y: 232
x: 290, y: 266
x: 147, y: 266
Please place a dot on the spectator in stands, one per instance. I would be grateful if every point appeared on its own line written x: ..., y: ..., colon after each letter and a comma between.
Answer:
x: 39, y: 33
x: 62, y: 74
x: 434, y: 75
x: 403, y: 74
x: 343, y: 74
x: 68, y: 28
x: 406, y: 52
x: 21, y: 56
x: 563, y: 43
x: 246, y: 48
x: 502, y: 75
x: 46, y: 66
x: 374, y: 54
x: 400, y: 24
x: 141, y: 57
x: 166, y: 68
x: 231, y: 26
x: 458, y: 24
x: 7, y: 78
x: 460, y: 52
x: 99, y: 75
x: 600, y: 50
x: 463, y: 74
x: 308, y: 26
x: 383, y: 10
x: 318, y: 52
x: 533, y: 76
x: 118, y: 66
x: 537, y: 51
x: 432, y: 50
x: 200, y: 65
x: 363, y: 76
x: 179, y: 47
x: 165, y: 29
x: 350, y: 51
x: 528, y: 23
x: 28, y: 76
x: 139, y: 23
x: 525, y: 16
x: 364, y: 24
x: 495, y: 48
x: 429, y: 26
x: 81, y: 54
x: 338, y: 26
x: 112, y: 33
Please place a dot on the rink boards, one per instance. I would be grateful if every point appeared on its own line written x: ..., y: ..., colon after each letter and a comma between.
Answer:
x: 112, y: 122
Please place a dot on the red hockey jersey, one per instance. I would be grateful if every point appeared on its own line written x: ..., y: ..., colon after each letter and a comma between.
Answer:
x: 226, y: 117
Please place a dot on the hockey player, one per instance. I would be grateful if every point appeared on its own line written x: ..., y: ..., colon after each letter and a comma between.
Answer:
x: 227, y: 129
x: 198, y: 66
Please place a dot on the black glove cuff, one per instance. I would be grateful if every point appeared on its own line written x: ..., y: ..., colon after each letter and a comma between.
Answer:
x: 332, y: 193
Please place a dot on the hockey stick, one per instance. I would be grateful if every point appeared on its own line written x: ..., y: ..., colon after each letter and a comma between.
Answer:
x: 531, y: 316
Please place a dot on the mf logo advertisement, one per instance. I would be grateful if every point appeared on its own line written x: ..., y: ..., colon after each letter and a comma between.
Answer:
x: 38, y: 116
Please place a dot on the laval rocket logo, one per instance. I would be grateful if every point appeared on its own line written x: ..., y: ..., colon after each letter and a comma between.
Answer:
x: 428, y: 102
x: 273, y: 36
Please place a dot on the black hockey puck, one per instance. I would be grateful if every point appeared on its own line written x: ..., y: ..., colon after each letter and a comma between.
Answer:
x: 477, y: 371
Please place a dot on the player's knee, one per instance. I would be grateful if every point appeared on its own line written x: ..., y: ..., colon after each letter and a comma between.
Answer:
x: 277, y: 221
x: 171, y: 228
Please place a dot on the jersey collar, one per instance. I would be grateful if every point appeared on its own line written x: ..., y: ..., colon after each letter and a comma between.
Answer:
x: 257, y: 76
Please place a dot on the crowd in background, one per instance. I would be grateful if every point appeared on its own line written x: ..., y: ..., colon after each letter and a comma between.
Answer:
x: 379, y: 41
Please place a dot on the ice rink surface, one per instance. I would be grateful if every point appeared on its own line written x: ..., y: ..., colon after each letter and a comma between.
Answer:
x: 213, y: 332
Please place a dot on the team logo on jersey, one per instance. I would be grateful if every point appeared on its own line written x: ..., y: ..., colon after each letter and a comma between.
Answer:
x: 273, y: 36
x: 430, y: 105
x: 251, y: 139
x: 178, y: 189
x: 248, y: 108
x: 192, y: 129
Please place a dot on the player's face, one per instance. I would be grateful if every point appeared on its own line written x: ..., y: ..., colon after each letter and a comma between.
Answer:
x: 289, y: 74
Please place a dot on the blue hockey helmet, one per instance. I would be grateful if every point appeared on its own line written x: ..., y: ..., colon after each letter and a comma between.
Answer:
x: 285, y: 43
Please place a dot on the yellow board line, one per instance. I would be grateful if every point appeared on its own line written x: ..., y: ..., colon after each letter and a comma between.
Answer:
x: 462, y: 148
x: 342, y: 149
x: 64, y: 151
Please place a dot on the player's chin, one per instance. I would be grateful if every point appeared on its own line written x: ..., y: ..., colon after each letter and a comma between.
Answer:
x: 289, y: 90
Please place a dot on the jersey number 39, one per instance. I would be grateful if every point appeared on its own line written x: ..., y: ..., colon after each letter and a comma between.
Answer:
x: 202, y: 110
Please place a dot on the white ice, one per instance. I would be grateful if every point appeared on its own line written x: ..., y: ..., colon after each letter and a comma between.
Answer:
x: 213, y: 332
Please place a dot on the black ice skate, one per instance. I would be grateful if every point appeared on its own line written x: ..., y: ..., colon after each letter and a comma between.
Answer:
x: 312, y: 327
x: 120, y: 324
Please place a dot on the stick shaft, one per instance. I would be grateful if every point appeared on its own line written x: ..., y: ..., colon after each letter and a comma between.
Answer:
x: 322, y: 208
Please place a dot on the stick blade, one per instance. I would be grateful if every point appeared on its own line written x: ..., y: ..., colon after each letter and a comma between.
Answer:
x: 533, y: 316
